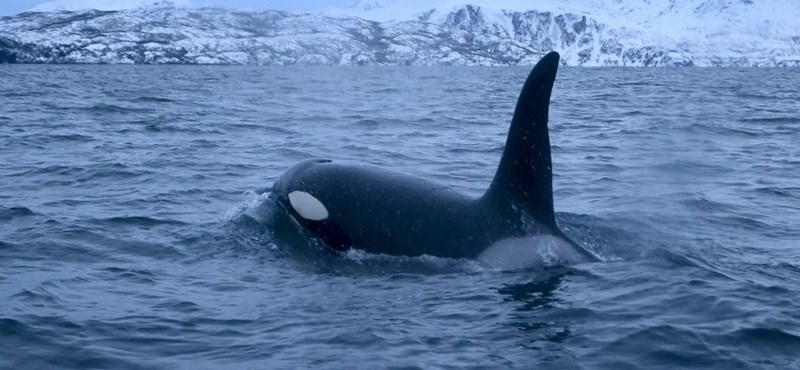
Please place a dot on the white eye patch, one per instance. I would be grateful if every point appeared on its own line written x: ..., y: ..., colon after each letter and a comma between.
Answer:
x: 307, y: 206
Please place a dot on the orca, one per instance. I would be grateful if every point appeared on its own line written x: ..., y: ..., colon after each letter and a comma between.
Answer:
x: 512, y: 225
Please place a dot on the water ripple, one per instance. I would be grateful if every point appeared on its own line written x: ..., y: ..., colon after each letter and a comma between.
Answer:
x: 133, y: 233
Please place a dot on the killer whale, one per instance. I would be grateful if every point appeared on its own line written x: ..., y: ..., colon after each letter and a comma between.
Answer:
x: 512, y: 225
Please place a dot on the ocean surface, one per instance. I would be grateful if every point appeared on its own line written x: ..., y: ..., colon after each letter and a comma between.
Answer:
x: 131, y: 236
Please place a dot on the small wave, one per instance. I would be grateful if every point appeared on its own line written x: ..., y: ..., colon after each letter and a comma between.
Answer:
x: 289, y: 89
x: 49, y: 170
x: 706, y: 204
x: 609, y: 238
x: 27, y: 94
x: 141, y: 220
x: 153, y: 99
x: 645, y: 83
x: 43, y: 141
x: 51, y: 343
x: 605, y: 168
x: 10, y: 327
x: 386, y: 90
x: 754, y: 96
x: 7, y: 214
x: 68, y: 202
x: 670, y: 259
x: 780, y: 346
x: 417, y: 134
x: 480, y: 149
x: 82, y: 174
x: 58, y: 138
x: 39, y: 298
x: 744, y: 223
x: 206, y: 144
x: 158, y: 127
x: 634, y: 113
x: 721, y: 130
x: 184, y: 307
x: 250, y: 205
x: 604, y: 180
x: 357, y: 148
x: 789, y: 192
x: 367, y: 123
x: 769, y: 336
x: 129, y: 275
x: 695, y: 167
x: 677, y: 347
x: 785, y: 119
x: 111, y: 108
x: 92, y: 243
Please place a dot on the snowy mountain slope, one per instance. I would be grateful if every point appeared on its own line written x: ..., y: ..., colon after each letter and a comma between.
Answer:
x: 670, y: 17
x: 586, y: 32
x: 714, y: 31
x: 75, y: 5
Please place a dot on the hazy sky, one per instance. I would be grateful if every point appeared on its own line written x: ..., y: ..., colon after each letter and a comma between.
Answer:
x: 11, y: 7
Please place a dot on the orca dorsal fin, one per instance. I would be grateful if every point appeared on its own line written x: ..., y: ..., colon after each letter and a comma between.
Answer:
x: 524, y: 178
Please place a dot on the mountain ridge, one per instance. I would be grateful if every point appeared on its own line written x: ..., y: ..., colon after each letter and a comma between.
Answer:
x: 460, y: 35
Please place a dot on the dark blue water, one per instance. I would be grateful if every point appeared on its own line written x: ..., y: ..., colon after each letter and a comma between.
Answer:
x: 130, y: 237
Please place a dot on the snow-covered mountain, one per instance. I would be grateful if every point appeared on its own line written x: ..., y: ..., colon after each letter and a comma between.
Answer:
x: 75, y: 5
x: 414, y: 32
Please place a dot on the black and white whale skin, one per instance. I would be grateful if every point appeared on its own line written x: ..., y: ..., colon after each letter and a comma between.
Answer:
x: 512, y: 225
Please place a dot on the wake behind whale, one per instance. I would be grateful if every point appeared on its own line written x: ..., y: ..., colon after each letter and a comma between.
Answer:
x: 511, y: 226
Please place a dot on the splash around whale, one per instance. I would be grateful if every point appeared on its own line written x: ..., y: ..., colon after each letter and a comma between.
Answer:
x: 512, y: 226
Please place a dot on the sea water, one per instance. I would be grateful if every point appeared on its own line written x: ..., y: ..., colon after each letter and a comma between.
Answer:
x: 127, y: 238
